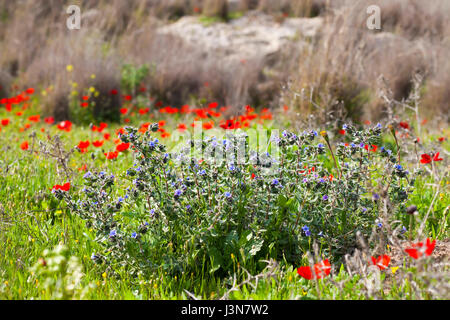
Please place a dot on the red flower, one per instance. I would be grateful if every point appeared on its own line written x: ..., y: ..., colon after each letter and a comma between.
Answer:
x: 381, y: 262
x: 342, y: 131
x: 182, y: 127
x: 24, y: 145
x: 35, y: 118
x: 404, y: 125
x: 418, y: 249
x: 84, y: 104
x: 127, y: 98
x: 114, y: 92
x: 425, y: 159
x: 85, y: 98
x: 123, y: 110
x: 30, y: 91
x: 436, y: 157
x: 111, y: 155
x: 122, y: 147
x: 441, y: 139
x: 49, y: 120
x: 65, y: 125
x: 208, y: 125
x: 84, y: 144
x: 321, y: 270
x: 5, y: 122
x: 65, y: 187
x: 213, y: 105
x: 161, y: 123
x: 106, y: 136
x: 98, y: 143
x: 373, y: 149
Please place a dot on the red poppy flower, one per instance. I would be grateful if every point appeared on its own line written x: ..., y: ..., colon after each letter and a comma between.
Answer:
x: 436, y: 157
x: 24, y: 145
x: 98, y: 143
x: 418, y: 249
x: 441, y: 139
x: 5, y: 122
x: 165, y: 135
x: 65, y: 126
x: 208, y: 125
x: 182, y: 127
x: 106, y: 136
x: 49, y: 120
x: 85, y: 98
x: 127, y: 98
x: 144, y: 111
x: 381, y: 262
x: 321, y: 270
x: 425, y: 158
x: 114, y: 92
x: 123, y: 110
x: 84, y: 144
x: 122, y: 147
x: 342, y: 132
x: 30, y: 91
x: 285, y: 108
x: 404, y: 125
x: 161, y: 123
x: 213, y: 105
x: 111, y: 155
x: 35, y: 118
x: 65, y: 187
x: 373, y: 149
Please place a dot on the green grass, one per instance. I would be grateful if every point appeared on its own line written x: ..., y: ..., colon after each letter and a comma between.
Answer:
x: 32, y: 220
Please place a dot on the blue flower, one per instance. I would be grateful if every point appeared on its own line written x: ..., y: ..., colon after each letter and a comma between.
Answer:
x: 275, y: 182
x: 320, y: 146
x: 325, y: 198
x: 375, y: 196
x: 134, y: 235
x: 344, y: 127
x: 305, y: 228
x: 87, y: 175
x: 308, y: 233
x: 178, y: 193
x: 403, y: 230
x: 364, y: 209
x: 113, y: 233
x: 320, y: 234
x: 398, y: 167
x: 379, y: 225
x: 228, y: 195
x: 120, y: 200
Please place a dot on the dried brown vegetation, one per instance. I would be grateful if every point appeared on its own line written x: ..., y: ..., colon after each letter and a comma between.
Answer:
x: 338, y: 74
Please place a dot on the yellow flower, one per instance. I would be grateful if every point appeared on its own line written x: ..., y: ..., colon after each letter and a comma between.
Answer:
x: 74, y: 84
x: 6, y: 282
x: 74, y: 93
x: 394, y: 269
x: 155, y: 286
x: 44, y: 93
x: 69, y: 68
x: 92, y: 76
x: 323, y: 133
x: 97, y: 283
x: 104, y: 275
x: 232, y: 256
x: 92, y: 89
x: 290, y: 278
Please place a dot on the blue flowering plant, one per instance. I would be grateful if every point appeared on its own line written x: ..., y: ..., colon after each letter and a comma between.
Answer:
x: 185, y: 211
